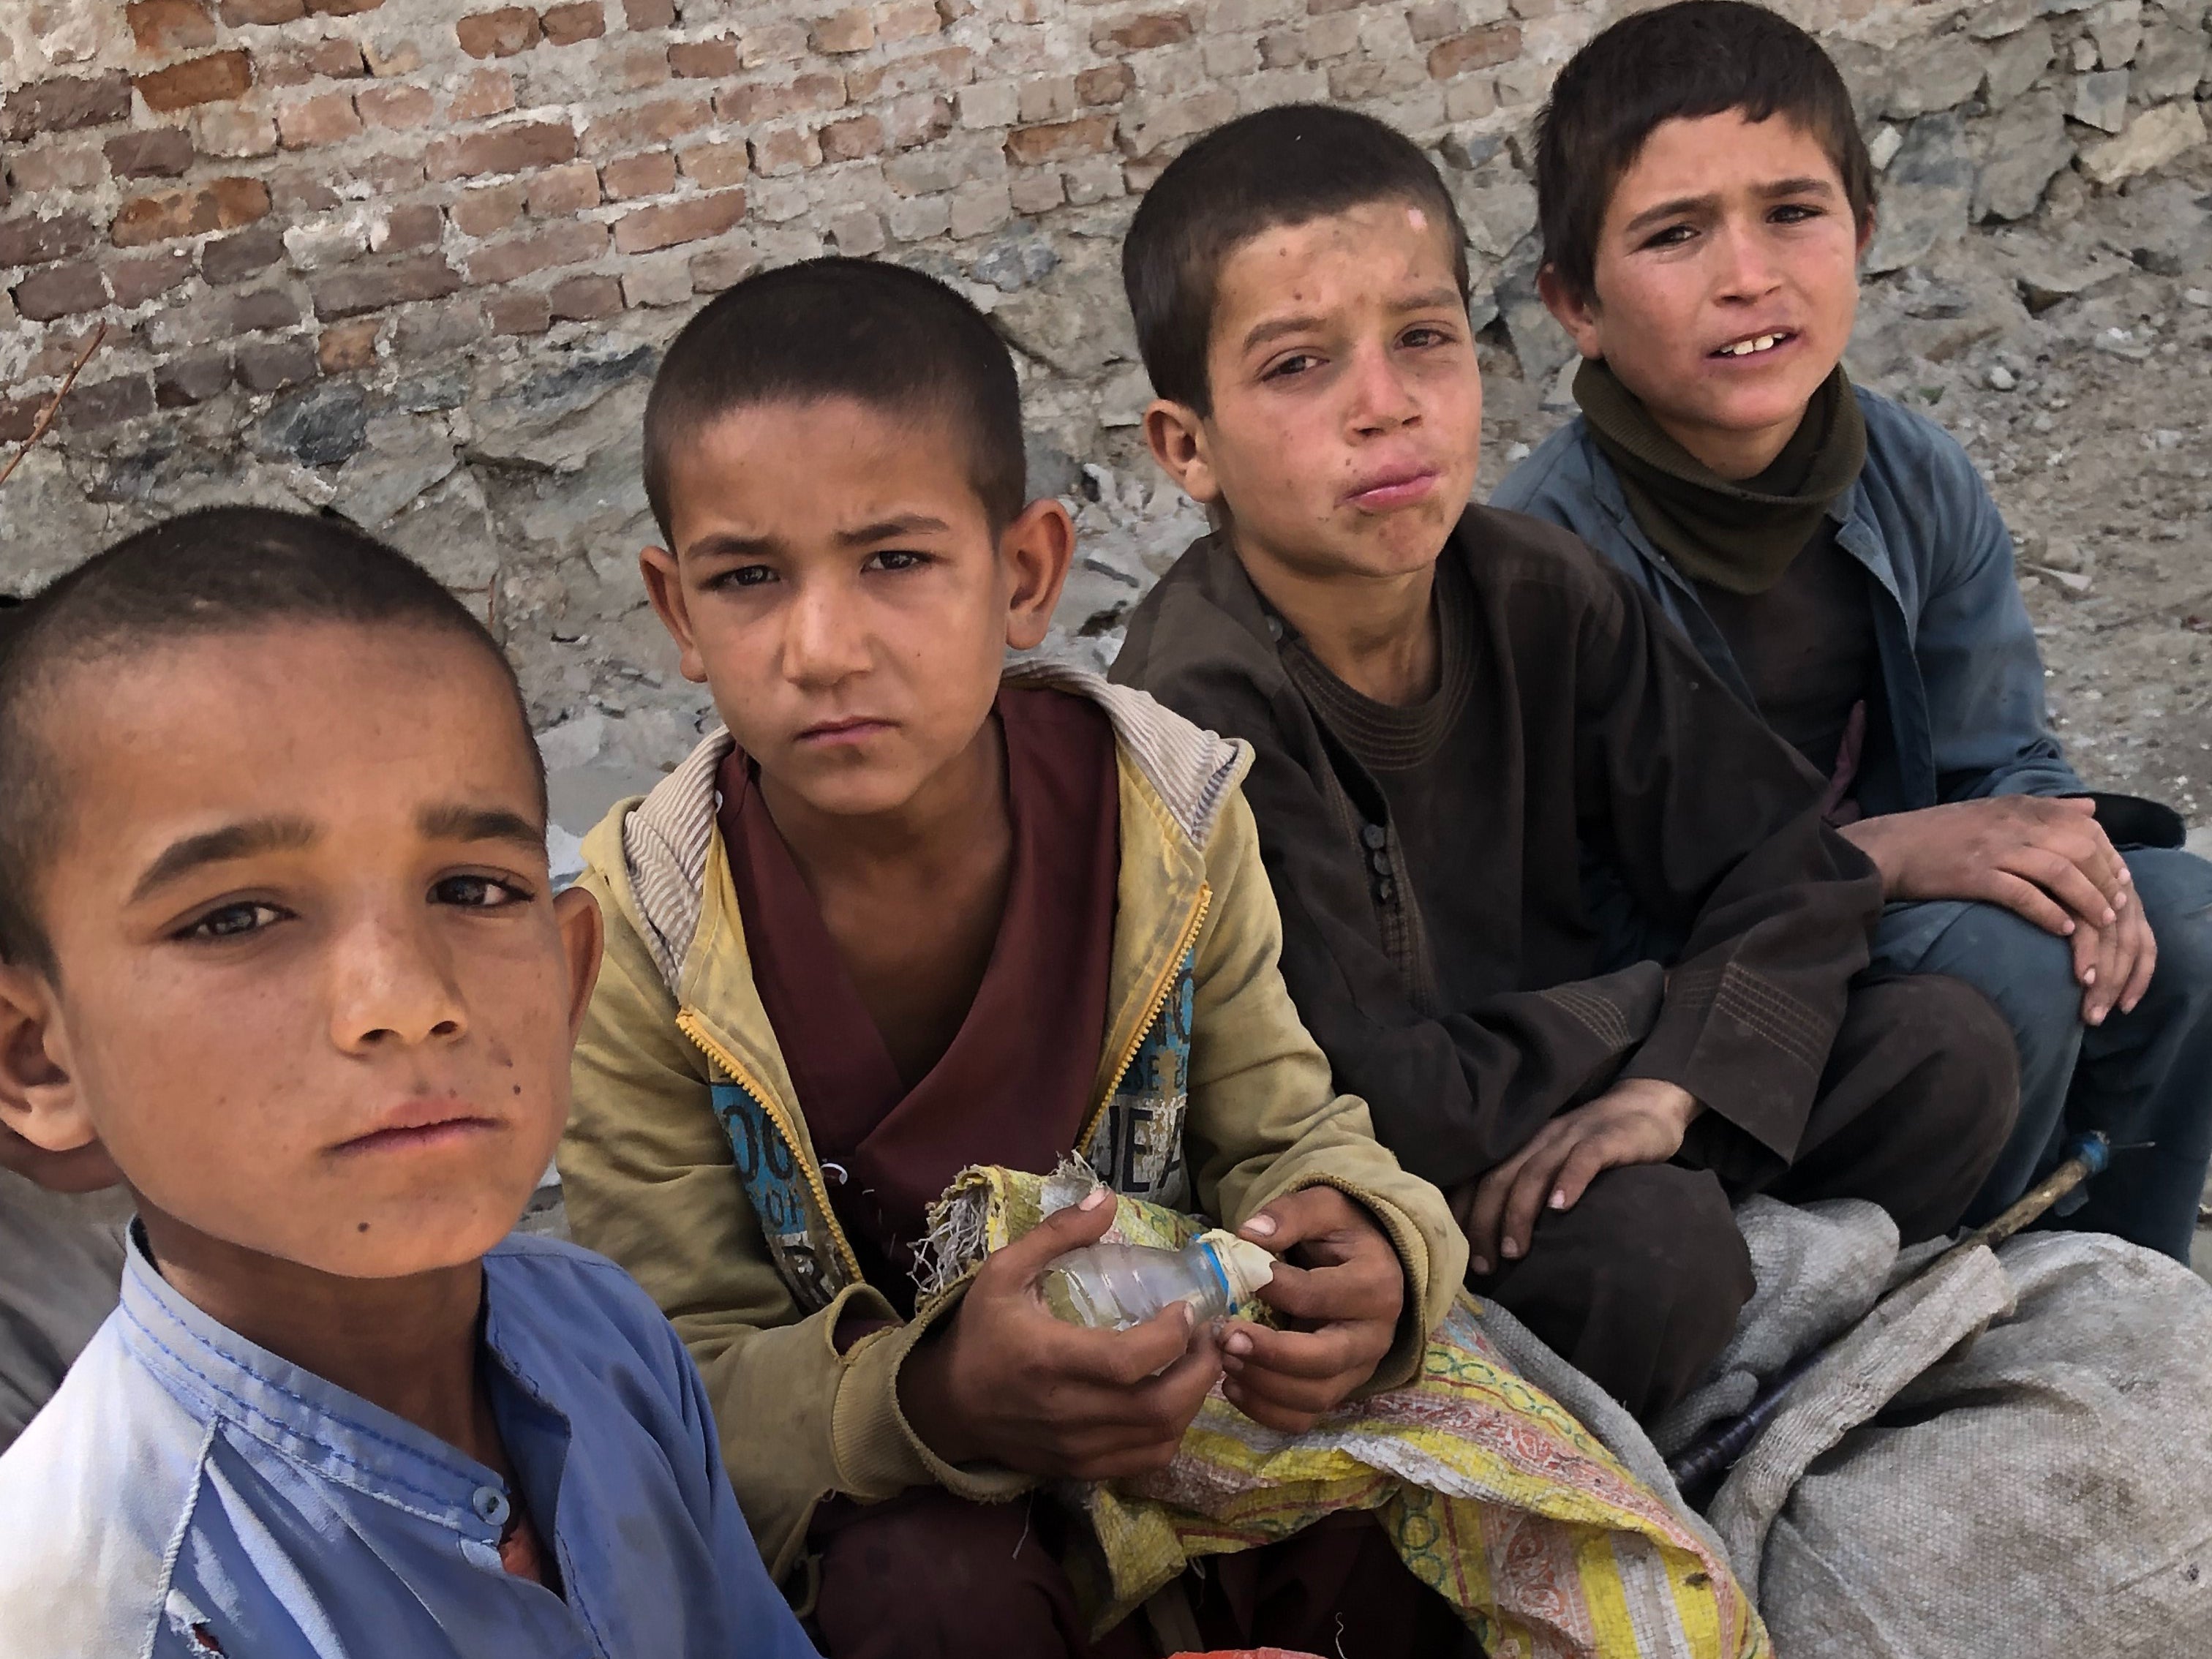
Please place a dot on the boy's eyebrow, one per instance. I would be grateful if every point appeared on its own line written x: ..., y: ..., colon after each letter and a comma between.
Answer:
x: 884, y: 530
x: 1680, y: 205
x: 458, y: 821
x: 1274, y: 327
x: 232, y: 841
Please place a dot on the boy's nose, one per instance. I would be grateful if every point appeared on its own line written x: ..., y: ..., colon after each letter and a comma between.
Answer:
x: 1746, y: 269
x: 392, y: 984
x: 821, y: 638
x: 1382, y: 398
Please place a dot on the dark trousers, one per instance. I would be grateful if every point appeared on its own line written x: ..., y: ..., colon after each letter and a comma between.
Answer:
x: 928, y: 1576
x: 1639, y: 1284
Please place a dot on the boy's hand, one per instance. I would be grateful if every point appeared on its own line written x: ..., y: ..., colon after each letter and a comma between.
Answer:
x: 85, y: 1168
x: 1004, y: 1381
x: 1340, y: 1283
x: 2114, y: 964
x: 1638, y: 1121
x: 2046, y: 858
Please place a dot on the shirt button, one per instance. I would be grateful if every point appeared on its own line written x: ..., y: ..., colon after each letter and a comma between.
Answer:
x: 1375, y: 836
x: 1386, y: 889
x: 1274, y: 627
x: 1382, y: 863
x: 490, y: 1504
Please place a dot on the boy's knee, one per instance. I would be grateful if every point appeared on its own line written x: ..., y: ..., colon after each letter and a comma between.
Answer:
x: 1967, y: 1050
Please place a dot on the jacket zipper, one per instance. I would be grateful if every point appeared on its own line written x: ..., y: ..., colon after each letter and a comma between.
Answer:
x: 687, y: 1023
x: 1159, y: 998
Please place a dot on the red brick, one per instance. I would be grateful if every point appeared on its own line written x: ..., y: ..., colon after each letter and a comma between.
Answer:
x: 396, y: 107
x: 649, y: 14
x: 392, y: 57
x: 559, y: 191
x: 911, y: 122
x: 60, y: 347
x: 272, y: 365
x: 32, y: 241
x: 344, y: 347
x: 1155, y: 29
x: 757, y: 100
x: 908, y: 20
x: 1108, y: 83
x: 663, y: 282
x: 134, y: 281
x: 353, y: 290
x: 165, y: 26
x: 301, y: 190
x: 208, y: 80
x: 219, y: 204
x: 716, y: 165
x: 518, y: 146
x: 647, y: 124
x: 1482, y: 48
x: 106, y: 402
x: 929, y: 71
x: 647, y: 228
x: 498, y: 33
x: 585, y: 299
x: 240, y: 12
x: 342, y: 8
x: 53, y: 166
x: 407, y: 228
x: 653, y: 174
x: 784, y: 150
x: 296, y: 64
x: 65, y: 104
x: 851, y: 30
x: 488, y: 211
x: 1061, y: 141
x: 226, y: 258
x: 703, y: 59
x: 714, y: 269
x: 582, y: 20
x: 323, y: 120
x: 180, y: 382
x: 480, y: 93
x: 565, y: 242
x: 250, y: 312
x: 164, y: 152
x: 851, y: 140
x: 61, y: 291
x: 518, y: 313
x: 424, y: 331
x: 632, y: 65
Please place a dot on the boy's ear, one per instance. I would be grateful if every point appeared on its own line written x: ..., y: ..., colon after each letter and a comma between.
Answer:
x: 664, y: 585
x: 1577, y: 314
x: 1176, y: 436
x: 583, y: 935
x: 1868, y: 226
x: 1039, y: 546
x: 46, y: 1133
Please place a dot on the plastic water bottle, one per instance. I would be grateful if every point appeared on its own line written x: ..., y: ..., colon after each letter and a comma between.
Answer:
x: 1114, y: 1286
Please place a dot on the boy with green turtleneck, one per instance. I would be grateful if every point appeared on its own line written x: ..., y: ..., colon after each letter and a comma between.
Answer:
x: 1705, y: 195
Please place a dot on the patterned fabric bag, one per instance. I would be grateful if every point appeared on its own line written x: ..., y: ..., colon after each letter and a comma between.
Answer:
x: 1547, y: 1542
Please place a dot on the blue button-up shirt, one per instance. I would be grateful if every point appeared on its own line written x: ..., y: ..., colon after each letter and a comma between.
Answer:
x: 187, y: 1493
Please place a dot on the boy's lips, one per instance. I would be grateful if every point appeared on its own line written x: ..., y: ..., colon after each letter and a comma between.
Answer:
x: 1396, y: 488
x: 1754, y: 347
x: 856, y: 729
x: 420, y: 1126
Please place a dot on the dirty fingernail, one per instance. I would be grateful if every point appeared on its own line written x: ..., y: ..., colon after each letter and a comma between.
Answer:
x: 1510, y: 1250
x: 1558, y: 1198
x: 1094, y: 1198
x: 1481, y: 1265
x: 1260, y: 1226
x: 1240, y: 1345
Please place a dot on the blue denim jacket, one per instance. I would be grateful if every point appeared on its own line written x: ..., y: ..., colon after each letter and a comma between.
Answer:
x: 189, y: 1494
x: 1962, y: 677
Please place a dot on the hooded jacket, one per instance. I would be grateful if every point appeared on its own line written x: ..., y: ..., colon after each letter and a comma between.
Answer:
x: 688, y: 1159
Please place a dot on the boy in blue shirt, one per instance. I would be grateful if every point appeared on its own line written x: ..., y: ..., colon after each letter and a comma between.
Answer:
x: 273, y: 897
x: 1705, y: 196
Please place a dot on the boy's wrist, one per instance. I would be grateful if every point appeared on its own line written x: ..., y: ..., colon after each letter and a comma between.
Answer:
x: 929, y: 1400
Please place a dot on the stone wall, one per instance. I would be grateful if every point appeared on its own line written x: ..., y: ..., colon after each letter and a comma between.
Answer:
x: 417, y: 265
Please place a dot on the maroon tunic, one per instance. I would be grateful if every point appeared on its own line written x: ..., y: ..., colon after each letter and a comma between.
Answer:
x: 1014, y: 1086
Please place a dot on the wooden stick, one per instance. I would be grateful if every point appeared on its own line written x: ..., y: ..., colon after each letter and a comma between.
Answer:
x: 53, y: 403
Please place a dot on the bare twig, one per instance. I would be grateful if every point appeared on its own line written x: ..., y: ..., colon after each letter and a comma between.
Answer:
x: 53, y: 403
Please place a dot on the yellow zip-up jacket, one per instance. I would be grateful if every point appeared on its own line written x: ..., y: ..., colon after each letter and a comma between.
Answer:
x: 688, y: 1160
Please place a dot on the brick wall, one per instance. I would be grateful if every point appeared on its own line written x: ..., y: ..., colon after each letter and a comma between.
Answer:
x: 415, y: 260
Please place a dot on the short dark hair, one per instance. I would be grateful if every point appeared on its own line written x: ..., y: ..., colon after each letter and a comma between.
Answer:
x: 884, y: 336
x: 1685, y: 61
x: 218, y: 570
x: 1284, y: 165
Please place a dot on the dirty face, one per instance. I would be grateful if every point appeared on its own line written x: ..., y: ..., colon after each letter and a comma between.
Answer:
x: 1348, y: 405
x: 1726, y: 284
x: 837, y: 584
x: 313, y: 992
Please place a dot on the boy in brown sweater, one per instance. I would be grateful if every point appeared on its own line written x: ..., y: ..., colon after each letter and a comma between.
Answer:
x: 1457, y: 713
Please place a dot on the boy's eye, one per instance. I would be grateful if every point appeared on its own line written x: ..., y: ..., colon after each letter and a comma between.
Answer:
x: 897, y: 558
x: 1795, y: 213
x: 1427, y: 334
x: 1297, y: 362
x: 477, y: 893
x: 233, y: 920
x: 741, y: 575
x: 1673, y: 236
